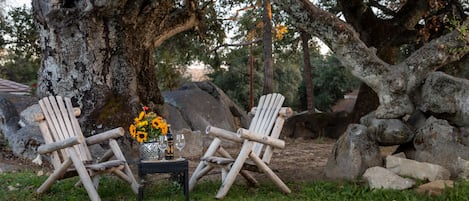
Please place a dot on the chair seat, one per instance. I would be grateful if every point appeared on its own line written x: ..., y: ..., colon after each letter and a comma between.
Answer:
x: 217, y: 160
x: 221, y: 161
x: 106, y: 165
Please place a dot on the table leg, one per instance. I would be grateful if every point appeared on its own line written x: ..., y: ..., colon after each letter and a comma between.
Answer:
x: 140, y: 193
x: 186, y: 183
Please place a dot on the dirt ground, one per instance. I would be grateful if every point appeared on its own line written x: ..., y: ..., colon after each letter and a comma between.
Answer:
x: 301, y: 160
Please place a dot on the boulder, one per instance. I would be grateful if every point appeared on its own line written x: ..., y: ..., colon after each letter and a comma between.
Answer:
x: 352, y: 154
x: 415, y: 169
x: 447, y: 97
x: 25, y: 141
x: 437, y: 142
x: 28, y: 114
x: 8, y: 118
x: 387, y: 132
x: 197, y: 105
x: 314, y: 125
x: 379, y: 177
x: 195, y: 145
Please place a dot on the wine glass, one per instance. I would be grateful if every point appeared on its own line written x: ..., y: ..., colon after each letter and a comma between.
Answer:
x: 162, y: 145
x: 180, y: 143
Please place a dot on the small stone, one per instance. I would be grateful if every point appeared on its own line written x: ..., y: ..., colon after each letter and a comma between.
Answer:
x: 379, y: 177
x: 40, y: 173
x: 435, y: 188
x: 11, y: 188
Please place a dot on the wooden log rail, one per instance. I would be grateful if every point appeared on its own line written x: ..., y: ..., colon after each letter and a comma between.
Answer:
x: 284, y: 111
x: 246, y: 134
x: 222, y: 133
x: 47, y: 148
x: 40, y: 116
x: 110, y: 134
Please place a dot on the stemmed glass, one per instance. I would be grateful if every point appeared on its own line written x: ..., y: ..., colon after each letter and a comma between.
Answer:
x: 162, y: 145
x: 180, y: 143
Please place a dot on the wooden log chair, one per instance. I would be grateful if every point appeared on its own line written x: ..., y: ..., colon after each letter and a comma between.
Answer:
x: 256, y: 151
x: 69, y: 152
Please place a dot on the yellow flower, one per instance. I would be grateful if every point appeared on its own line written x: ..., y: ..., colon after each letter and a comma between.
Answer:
x: 141, y: 136
x: 133, y: 130
x: 140, y: 117
x: 142, y: 124
x: 155, y: 123
x: 164, y: 130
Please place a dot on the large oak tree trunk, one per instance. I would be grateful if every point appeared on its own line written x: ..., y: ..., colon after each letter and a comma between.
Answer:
x: 100, y: 53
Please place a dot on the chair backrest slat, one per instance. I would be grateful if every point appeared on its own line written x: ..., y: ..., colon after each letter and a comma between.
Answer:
x: 63, y: 124
x: 83, y: 149
x: 266, y: 114
x: 52, y: 123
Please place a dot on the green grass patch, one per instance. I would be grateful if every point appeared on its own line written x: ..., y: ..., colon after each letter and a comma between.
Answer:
x: 23, y: 185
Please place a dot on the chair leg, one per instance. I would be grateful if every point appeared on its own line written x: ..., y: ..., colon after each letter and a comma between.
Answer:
x: 84, y: 176
x: 58, y: 173
x: 238, y: 164
x: 96, y: 181
x: 119, y: 155
x: 270, y: 173
x: 201, y: 170
x: 251, y: 180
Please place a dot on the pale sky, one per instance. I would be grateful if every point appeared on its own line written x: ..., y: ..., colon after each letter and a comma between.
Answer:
x: 18, y: 3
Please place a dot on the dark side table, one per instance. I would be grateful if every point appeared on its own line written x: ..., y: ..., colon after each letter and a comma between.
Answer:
x: 178, y: 167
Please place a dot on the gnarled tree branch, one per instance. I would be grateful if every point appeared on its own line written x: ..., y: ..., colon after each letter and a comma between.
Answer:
x: 392, y: 83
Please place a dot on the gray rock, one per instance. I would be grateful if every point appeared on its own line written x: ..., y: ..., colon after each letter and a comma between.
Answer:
x: 25, y: 141
x: 444, y: 95
x: 199, y: 108
x: 436, y: 142
x: 28, y: 114
x: 8, y: 117
x: 195, y: 143
x: 353, y: 153
x: 415, y: 169
x: 463, y: 166
x: 379, y: 177
x: 387, y: 132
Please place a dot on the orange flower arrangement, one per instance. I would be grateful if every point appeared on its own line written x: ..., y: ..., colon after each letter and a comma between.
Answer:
x: 147, y: 126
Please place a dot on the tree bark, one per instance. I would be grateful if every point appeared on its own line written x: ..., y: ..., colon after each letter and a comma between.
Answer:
x: 100, y: 53
x: 267, y: 44
x: 392, y: 83
x: 307, y: 72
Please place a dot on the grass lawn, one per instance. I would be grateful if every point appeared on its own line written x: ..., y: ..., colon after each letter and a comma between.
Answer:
x: 22, y: 186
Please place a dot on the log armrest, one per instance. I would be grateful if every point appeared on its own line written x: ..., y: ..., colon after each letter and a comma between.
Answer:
x: 222, y: 133
x: 246, y: 134
x: 101, y: 137
x: 50, y: 147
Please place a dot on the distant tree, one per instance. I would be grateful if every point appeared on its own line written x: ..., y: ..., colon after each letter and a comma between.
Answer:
x: 307, y: 72
x: 22, y: 51
x: 267, y: 47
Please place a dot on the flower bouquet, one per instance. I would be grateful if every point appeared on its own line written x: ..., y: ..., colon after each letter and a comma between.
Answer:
x: 148, y: 126
x: 146, y: 129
